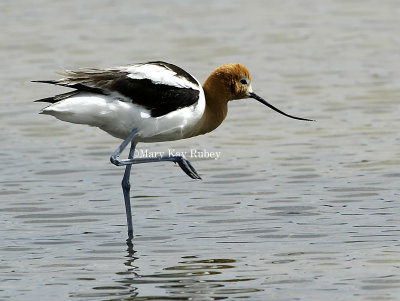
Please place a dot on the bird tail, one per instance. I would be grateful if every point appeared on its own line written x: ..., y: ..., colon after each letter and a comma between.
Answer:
x: 79, y: 88
x: 58, y: 97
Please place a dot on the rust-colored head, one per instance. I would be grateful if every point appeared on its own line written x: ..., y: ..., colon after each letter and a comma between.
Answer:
x: 227, y: 82
x: 230, y: 81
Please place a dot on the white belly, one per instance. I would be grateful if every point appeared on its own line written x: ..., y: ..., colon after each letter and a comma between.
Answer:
x: 119, y: 118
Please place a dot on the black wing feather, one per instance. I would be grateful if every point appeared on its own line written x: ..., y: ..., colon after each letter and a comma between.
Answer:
x: 159, y: 99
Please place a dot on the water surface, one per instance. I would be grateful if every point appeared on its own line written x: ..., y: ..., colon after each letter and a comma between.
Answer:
x: 290, y: 211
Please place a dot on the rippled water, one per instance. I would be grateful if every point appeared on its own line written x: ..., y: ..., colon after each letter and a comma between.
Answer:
x: 290, y: 211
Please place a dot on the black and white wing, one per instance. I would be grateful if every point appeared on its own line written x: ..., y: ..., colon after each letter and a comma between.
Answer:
x: 157, y: 86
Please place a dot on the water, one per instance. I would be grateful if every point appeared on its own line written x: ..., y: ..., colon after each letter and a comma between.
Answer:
x: 290, y: 211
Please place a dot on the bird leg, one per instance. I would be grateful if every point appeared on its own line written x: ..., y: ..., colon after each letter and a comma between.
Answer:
x: 126, y: 187
x: 183, y: 163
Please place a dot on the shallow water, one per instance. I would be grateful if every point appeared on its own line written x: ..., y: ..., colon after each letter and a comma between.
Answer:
x: 290, y: 211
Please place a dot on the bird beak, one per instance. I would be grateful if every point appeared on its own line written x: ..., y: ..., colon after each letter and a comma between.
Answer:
x: 256, y: 97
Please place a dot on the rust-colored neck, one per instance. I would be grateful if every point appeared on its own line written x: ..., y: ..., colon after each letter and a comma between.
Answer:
x: 216, y: 107
x: 220, y: 87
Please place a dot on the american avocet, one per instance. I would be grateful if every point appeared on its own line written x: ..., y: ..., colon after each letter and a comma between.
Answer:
x: 150, y: 102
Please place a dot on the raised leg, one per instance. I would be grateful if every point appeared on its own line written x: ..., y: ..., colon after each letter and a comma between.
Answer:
x: 183, y: 163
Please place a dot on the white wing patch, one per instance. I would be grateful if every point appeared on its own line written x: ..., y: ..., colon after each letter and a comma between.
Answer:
x: 158, y: 75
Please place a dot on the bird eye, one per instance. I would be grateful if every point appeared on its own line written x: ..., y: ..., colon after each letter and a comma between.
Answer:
x: 243, y: 81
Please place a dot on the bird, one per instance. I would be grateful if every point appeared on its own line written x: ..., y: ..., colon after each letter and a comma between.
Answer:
x: 149, y: 102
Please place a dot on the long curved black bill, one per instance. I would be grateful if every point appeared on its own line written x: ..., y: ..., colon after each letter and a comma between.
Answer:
x: 256, y: 97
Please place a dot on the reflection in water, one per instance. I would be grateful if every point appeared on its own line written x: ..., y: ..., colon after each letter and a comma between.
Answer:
x: 191, y: 279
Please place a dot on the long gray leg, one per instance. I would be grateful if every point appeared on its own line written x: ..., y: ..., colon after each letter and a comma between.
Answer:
x: 126, y: 187
x: 120, y: 149
x: 183, y: 163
